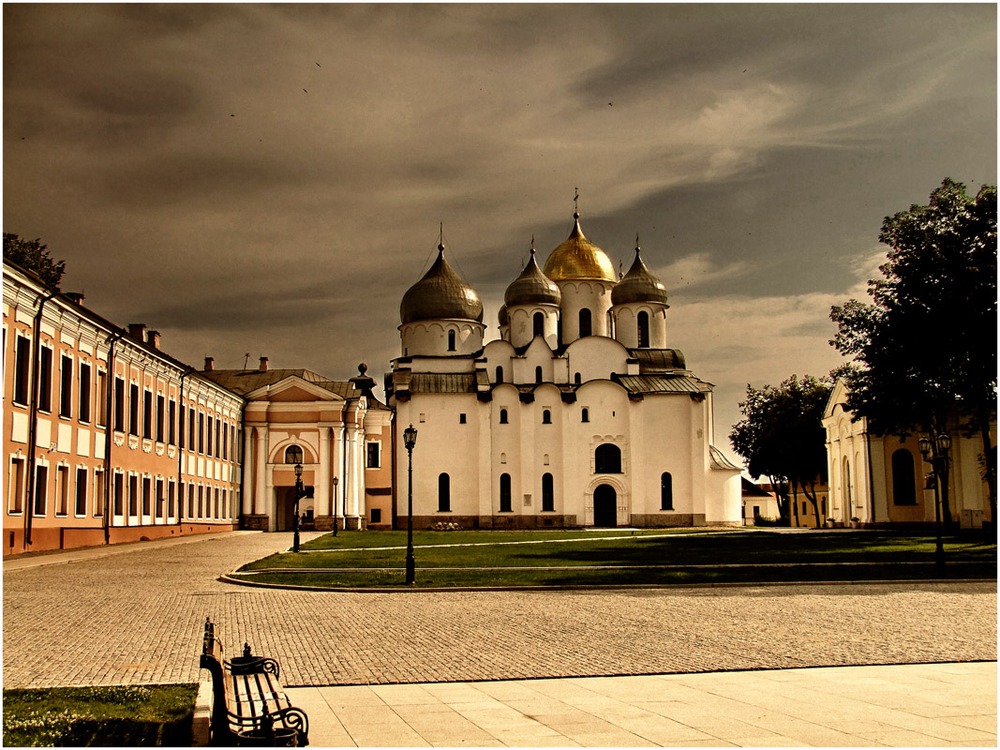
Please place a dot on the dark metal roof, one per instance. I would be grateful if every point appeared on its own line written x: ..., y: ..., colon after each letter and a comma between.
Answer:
x: 639, y: 285
x: 662, y: 384
x: 247, y: 381
x: 441, y: 293
x: 532, y: 287
x: 658, y: 360
x: 442, y: 383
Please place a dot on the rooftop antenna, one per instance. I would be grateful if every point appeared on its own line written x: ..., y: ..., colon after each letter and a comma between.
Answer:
x: 246, y: 360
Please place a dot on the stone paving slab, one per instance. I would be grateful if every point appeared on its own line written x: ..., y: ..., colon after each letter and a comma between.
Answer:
x: 949, y: 705
x: 134, y: 615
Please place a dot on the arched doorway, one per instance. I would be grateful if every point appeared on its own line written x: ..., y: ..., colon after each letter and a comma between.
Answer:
x: 605, y: 506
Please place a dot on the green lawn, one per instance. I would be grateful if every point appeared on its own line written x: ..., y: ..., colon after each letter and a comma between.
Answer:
x: 121, y: 716
x: 550, y: 558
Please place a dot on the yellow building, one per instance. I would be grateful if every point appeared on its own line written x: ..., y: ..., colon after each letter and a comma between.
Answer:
x: 106, y: 438
x: 884, y: 479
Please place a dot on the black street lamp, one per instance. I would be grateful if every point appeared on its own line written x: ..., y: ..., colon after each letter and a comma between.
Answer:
x: 298, y: 496
x: 336, y: 481
x: 409, y: 440
x: 934, y: 449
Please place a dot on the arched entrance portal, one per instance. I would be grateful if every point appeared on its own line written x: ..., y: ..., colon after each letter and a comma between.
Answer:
x: 605, y: 506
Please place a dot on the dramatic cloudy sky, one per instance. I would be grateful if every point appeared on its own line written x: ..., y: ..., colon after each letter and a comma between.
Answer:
x: 270, y: 179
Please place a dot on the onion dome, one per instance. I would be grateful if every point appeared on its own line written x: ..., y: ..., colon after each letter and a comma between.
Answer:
x: 578, y: 258
x: 639, y: 285
x: 532, y: 287
x: 502, y: 317
x: 441, y: 293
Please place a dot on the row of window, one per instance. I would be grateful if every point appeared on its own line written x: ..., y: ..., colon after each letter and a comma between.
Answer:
x: 22, y: 383
x: 548, y: 493
x: 195, y: 430
x: 151, y: 417
x: 539, y: 376
x: 586, y: 325
x: 145, y: 496
x: 546, y: 416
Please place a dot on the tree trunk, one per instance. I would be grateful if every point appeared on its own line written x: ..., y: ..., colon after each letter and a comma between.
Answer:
x: 810, y: 493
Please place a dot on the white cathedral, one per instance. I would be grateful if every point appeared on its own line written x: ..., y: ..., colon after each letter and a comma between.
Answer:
x: 578, y: 415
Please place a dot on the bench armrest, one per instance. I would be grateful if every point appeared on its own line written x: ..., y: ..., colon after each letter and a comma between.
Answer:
x: 242, y: 665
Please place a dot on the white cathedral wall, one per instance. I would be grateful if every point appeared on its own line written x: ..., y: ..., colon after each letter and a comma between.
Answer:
x: 670, y: 438
x: 443, y: 445
x: 596, y: 358
x: 576, y: 295
x: 655, y: 434
x: 607, y: 406
x: 627, y: 329
x: 430, y: 337
x: 521, y: 324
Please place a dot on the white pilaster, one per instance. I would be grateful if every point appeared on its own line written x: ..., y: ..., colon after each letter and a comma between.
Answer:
x: 260, y: 500
x: 322, y: 490
x: 246, y: 502
x: 353, y: 472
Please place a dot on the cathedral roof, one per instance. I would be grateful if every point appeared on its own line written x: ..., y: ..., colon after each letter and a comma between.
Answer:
x: 578, y: 258
x: 441, y: 293
x: 658, y: 360
x: 639, y: 285
x: 650, y: 384
x: 532, y: 287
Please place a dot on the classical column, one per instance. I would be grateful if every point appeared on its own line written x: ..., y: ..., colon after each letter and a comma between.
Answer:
x: 260, y: 500
x: 246, y: 502
x: 322, y: 490
x: 351, y: 489
x: 338, y: 467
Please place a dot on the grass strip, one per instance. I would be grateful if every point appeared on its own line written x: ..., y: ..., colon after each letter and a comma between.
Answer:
x: 374, y: 559
x: 115, y: 716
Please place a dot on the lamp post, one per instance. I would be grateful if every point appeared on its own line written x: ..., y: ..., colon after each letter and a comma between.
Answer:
x: 336, y: 481
x: 409, y: 440
x: 298, y: 496
x: 934, y: 449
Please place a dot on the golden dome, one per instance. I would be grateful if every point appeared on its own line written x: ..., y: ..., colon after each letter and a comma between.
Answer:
x: 578, y: 258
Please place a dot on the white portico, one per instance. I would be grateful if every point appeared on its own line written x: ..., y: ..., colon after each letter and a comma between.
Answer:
x: 298, y: 416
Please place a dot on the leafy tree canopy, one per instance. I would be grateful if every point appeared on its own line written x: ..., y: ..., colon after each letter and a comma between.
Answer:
x: 33, y: 256
x: 927, y: 340
x: 781, y: 435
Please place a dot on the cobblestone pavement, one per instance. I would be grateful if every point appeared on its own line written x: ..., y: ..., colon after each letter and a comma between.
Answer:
x: 134, y: 615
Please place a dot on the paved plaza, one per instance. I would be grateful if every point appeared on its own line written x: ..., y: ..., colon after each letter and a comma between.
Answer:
x: 134, y: 615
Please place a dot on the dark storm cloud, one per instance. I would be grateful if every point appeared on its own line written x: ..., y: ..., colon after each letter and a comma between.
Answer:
x: 251, y: 176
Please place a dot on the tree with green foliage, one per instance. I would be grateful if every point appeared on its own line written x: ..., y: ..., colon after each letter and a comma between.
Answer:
x: 33, y: 256
x: 924, y: 348
x: 781, y: 436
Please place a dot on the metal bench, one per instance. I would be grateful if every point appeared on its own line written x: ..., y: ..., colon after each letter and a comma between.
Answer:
x: 249, y: 703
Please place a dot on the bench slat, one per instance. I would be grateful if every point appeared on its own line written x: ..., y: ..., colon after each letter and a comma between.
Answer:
x: 247, y: 696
